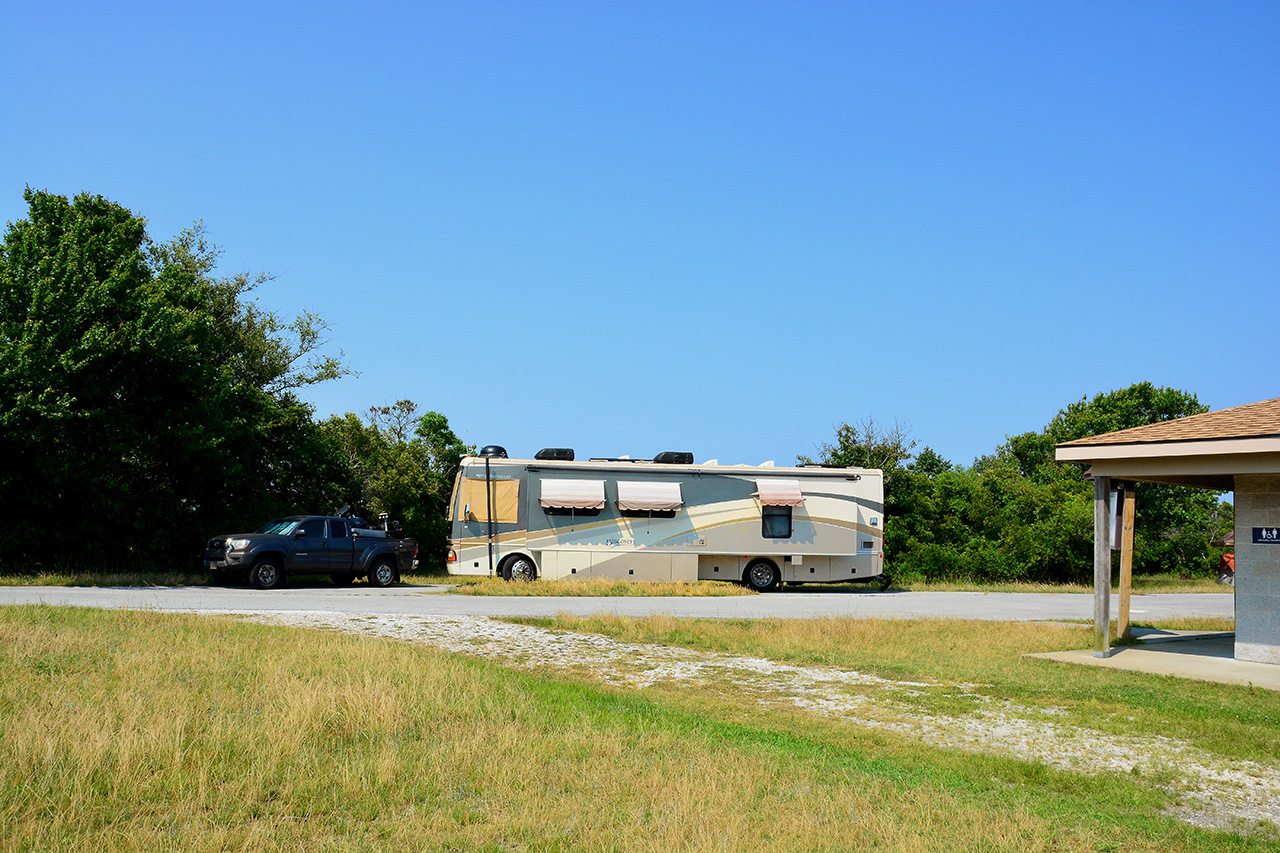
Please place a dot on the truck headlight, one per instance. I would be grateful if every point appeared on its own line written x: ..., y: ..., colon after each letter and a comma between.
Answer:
x: 237, y: 544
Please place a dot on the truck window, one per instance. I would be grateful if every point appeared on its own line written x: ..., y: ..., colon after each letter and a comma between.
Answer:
x: 337, y: 528
x: 313, y: 528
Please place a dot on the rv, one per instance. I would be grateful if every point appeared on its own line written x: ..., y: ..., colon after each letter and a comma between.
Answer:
x: 664, y: 520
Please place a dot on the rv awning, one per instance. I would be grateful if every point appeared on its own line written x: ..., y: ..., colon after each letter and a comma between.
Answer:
x: 573, y: 494
x: 649, y: 497
x: 775, y: 492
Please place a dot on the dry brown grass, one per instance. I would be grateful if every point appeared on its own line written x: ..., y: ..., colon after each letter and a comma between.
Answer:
x: 596, y: 587
x: 136, y: 731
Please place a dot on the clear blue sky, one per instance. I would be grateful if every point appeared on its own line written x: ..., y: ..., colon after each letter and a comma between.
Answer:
x: 724, y: 228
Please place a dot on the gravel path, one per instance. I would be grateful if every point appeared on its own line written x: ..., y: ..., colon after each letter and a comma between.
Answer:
x: 1209, y: 790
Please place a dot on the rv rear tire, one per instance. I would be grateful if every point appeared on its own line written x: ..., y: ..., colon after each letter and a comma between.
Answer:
x: 761, y: 575
x: 519, y: 568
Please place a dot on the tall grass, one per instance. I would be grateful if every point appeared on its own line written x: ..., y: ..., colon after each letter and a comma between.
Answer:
x: 597, y: 587
x: 138, y: 731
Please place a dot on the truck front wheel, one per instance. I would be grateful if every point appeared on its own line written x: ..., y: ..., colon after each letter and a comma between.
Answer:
x: 266, y: 573
x: 383, y: 573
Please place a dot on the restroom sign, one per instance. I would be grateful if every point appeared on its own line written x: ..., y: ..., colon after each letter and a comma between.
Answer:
x: 1266, y: 536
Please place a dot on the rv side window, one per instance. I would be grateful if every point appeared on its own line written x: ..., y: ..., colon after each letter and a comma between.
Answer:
x: 775, y: 522
x: 570, y: 511
x: 647, y: 513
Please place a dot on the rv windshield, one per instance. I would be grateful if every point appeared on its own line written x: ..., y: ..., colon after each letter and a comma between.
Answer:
x: 282, y: 526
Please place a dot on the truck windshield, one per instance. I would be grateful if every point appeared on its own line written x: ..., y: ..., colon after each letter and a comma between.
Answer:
x: 281, y: 525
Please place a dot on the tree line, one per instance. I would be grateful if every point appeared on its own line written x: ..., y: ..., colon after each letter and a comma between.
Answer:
x: 1019, y: 515
x: 147, y: 404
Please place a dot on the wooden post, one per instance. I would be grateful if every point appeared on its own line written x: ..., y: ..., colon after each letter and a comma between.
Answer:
x: 1126, y: 560
x: 1101, y: 567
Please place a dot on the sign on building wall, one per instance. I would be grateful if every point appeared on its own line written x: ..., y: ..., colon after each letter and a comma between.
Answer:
x: 1266, y: 536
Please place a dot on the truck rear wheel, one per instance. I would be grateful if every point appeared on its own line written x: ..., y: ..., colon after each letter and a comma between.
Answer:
x: 383, y: 573
x: 266, y: 573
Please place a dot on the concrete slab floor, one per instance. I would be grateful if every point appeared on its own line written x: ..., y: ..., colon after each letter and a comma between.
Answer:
x: 1184, y: 654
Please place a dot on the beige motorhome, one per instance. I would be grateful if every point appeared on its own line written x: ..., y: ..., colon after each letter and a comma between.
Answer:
x: 665, y: 519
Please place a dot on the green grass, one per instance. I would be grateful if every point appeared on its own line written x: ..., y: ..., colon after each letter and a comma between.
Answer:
x: 1232, y: 721
x: 144, y: 731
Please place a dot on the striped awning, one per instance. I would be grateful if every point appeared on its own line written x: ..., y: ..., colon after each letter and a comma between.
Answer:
x: 649, y: 497
x: 573, y: 494
x: 778, y: 492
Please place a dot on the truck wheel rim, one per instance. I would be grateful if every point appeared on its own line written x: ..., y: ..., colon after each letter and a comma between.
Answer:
x: 384, y: 574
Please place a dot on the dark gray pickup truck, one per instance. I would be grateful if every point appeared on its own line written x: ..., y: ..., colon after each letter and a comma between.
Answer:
x: 343, y: 548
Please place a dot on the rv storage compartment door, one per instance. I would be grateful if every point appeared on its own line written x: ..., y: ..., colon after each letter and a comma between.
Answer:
x: 566, y: 565
x: 811, y: 568
x: 631, y: 566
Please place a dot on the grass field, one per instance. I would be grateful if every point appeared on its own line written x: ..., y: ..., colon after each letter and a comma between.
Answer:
x: 144, y: 731
x: 593, y: 587
x: 1142, y: 584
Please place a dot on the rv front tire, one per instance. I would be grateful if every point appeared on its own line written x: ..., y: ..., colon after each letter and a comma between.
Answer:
x: 520, y: 568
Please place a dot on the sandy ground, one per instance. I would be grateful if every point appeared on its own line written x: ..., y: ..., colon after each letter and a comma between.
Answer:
x: 1207, y: 790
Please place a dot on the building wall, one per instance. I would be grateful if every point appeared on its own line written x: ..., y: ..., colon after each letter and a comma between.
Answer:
x: 1257, y: 504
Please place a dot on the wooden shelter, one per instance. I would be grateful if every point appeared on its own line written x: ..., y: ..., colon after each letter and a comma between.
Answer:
x: 1236, y: 449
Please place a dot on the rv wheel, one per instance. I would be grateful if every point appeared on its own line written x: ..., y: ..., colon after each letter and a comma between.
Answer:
x: 520, y: 568
x: 762, y: 576
x: 885, y: 582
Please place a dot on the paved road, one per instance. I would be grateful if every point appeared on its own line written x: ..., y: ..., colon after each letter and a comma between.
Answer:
x: 814, y: 604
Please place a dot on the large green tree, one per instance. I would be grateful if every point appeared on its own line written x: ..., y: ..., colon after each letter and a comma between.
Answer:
x: 144, y: 402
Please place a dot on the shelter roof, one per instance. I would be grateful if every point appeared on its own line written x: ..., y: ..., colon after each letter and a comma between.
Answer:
x: 1252, y: 420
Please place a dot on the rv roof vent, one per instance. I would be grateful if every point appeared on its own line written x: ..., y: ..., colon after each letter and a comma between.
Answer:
x: 495, y: 451
x: 672, y: 457
x: 561, y: 454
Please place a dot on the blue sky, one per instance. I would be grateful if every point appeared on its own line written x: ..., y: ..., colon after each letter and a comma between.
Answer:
x: 724, y: 228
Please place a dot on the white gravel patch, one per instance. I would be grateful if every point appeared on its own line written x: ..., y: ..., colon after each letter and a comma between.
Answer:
x: 1209, y: 790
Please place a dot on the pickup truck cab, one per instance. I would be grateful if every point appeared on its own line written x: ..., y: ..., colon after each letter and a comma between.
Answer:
x: 343, y: 548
